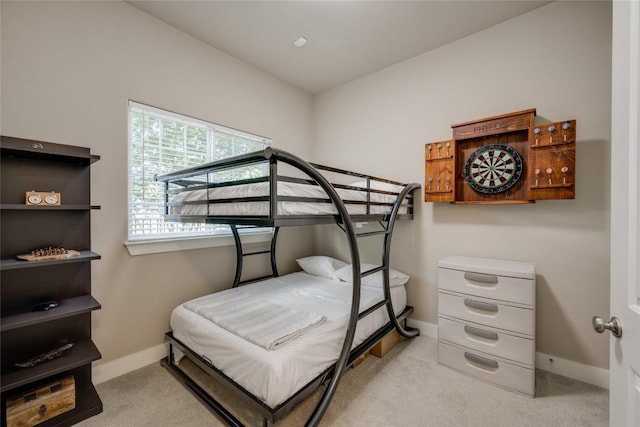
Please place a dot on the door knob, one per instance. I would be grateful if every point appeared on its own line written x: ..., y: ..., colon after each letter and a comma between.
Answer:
x: 614, y: 325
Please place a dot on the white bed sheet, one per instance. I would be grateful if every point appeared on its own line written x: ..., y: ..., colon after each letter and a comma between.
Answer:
x: 273, y: 376
x: 284, y: 208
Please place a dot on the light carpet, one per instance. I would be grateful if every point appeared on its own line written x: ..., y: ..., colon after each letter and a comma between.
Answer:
x: 405, y: 388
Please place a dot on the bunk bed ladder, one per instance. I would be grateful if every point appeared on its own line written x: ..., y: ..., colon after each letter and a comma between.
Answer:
x: 405, y: 331
x: 386, y: 230
x: 391, y: 220
x: 347, y: 226
x: 240, y: 254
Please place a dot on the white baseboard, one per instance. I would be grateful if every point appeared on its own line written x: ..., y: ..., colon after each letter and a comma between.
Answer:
x: 115, y: 368
x: 427, y: 329
x: 567, y: 368
x: 575, y: 370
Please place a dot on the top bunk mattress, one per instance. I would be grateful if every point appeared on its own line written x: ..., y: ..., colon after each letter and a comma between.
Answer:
x: 275, y: 375
x: 357, y: 202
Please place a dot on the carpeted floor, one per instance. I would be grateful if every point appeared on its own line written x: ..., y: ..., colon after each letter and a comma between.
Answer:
x: 406, y: 388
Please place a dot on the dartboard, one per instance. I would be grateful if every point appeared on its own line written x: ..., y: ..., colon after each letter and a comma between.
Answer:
x: 493, y: 168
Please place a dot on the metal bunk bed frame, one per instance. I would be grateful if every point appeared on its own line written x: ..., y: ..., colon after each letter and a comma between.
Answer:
x: 331, y: 377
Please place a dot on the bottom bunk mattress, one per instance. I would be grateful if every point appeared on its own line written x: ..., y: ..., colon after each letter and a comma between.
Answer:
x: 270, y: 370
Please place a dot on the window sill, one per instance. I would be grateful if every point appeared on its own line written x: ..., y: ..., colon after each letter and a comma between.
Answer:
x: 146, y: 247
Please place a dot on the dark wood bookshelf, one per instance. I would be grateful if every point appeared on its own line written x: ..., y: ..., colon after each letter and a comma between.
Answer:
x: 29, y: 165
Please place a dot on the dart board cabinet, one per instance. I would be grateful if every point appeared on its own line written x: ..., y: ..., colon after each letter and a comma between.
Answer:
x: 502, y: 159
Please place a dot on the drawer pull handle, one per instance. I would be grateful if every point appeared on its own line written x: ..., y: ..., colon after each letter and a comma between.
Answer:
x: 481, y: 333
x: 490, y: 363
x: 481, y: 305
x: 480, y: 277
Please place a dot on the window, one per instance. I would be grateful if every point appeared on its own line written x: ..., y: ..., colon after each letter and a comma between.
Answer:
x: 161, y: 142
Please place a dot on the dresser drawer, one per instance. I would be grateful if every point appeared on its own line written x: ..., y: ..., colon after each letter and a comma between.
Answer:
x: 487, y: 340
x: 487, y: 312
x: 494, y: 370
x: 491, y: 286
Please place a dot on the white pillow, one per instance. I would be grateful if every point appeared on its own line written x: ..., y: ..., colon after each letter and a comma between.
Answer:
x: 378, y: 185
x: 323, y: 266
x: 396, y: 278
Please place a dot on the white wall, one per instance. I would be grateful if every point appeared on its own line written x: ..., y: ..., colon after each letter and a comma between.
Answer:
x: 556, y: 59
x: 68, y: 69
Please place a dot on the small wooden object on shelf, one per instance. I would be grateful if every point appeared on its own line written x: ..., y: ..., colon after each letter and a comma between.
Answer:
x: 48, y: 254
x: 40, y: 404
x: 42, y: 198
x: 498, y: 160
x: 44, y: 357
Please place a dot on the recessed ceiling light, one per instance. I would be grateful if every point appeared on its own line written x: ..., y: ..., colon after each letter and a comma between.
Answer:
x: 301, y: 41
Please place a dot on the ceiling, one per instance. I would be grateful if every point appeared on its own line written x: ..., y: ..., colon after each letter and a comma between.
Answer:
x: 346, y: 39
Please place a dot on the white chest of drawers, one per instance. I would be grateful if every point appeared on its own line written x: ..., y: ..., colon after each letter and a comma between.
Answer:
x: 486, y: 320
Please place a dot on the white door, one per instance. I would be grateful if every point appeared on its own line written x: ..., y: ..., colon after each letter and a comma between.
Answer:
x: 624, y: 398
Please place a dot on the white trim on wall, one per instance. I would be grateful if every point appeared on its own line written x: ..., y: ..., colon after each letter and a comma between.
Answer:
x: 427, y: 329
x: 146, y: 247
x: 557, y: 365
x: 575, y: 370
x: 567, y: 368
x: 115, y: 368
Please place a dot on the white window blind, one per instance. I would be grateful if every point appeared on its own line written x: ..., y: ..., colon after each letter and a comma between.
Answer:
x: 161, y: 142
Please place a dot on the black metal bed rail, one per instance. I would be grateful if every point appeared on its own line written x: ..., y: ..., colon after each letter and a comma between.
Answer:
x: 269, y: 414
x: 356, y: 174
x: 255, y: 220
x: 219, y: 165
x: 201, y: 185
x: 373, y: 308
x: 372, y: 271
x: 257, y: 253
x: 225, y: 415
x: 211, y: 370
x: 280, y: 199
x: 265, y: 221
x: 270, y: 155
x: 372, y: 233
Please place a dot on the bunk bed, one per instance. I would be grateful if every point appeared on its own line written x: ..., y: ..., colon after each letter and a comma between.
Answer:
x: 252, y: 190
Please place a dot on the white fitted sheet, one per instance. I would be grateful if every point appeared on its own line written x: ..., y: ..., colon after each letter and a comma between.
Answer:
x: 284, y: 208
x: 275, y: 375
